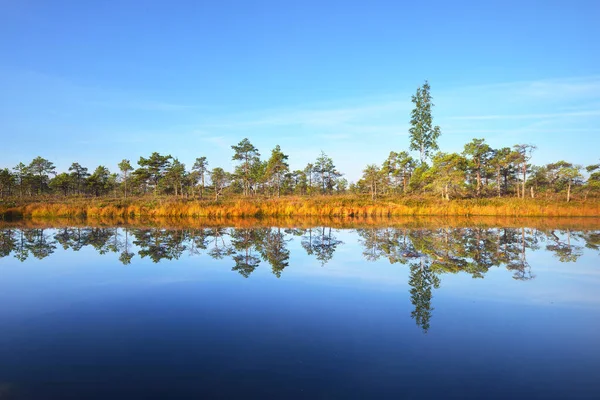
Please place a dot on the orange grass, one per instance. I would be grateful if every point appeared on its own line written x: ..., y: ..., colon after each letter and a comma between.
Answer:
x: 323, y: 206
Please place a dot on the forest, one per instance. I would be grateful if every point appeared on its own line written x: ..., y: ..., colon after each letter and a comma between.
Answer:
x: 479, y: 171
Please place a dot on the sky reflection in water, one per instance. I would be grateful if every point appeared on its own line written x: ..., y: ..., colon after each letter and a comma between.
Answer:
x: 373, y: 312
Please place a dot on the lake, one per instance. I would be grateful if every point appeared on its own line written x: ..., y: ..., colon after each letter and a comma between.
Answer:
x: 315, y: 311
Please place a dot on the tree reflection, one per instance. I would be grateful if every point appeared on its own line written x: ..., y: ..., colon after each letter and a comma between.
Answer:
x: 321, y: 243
x: 422, y: 281
x: 429, y: 253
x: 562, y: 248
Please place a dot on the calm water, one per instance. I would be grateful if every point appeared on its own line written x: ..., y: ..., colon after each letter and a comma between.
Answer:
x: 97, y: 313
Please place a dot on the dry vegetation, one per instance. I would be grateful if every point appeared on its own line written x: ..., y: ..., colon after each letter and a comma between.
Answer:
x: 321, y: 206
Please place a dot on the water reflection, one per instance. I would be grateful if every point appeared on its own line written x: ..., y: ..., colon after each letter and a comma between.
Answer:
x: 428, y: 253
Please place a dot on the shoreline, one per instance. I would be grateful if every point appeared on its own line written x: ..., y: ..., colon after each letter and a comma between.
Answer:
x: 285, y: 207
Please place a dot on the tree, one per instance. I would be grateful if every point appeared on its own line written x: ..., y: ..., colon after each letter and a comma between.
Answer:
x: 62, y: 182
x: 219, y: 179
x: 524, y: 151
x: 308, y: 172
x: 79, y: 174
x: 201, y: 166
x: 155, y: 167
x: 423, y: 135
x: 277, y: 167
x: 175, y: 176
x: 7, y: 181
x: 41, y: 168
x: 372, y: 176
x: 325, y: 172
x: 593, y: 182
x: 570, y: 174
x: 447, y: 173
x: 21, y: 172
x: 400, y: 167
x: 479, y: 152
x: 99, y: 180
x: 247, y: 155
x: 125, y: 168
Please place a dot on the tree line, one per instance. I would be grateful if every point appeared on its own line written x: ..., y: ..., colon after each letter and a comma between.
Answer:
x: 478, y: 171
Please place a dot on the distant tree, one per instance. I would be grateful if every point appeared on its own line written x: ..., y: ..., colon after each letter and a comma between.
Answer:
x: 21, y: 172
x: 423, y: 135
x: 247, y: 155
x: 524, y: 155
x: 79, y: 174
x: 399, y: 167
x: 62, y: 182
x: 99, y: 180
x: 341, y: 185
x: 277, y: 167
x: 372, y: 177
x: 569, y: 174
x: 479, y: 153
x: 125, y: 168
x: 41, y: 168
x: 325, y: 172
x: 593, y: 182
x: 308, y: 171
x: 201, y: 166
x: 155, y: 167
x: 447, y: 173
x: 175, y: 176
x: 218, y: 178
x: 300, y: 182
x: 7, y: 181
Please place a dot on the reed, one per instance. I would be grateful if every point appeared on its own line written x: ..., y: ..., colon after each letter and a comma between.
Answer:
x: 322, y: 206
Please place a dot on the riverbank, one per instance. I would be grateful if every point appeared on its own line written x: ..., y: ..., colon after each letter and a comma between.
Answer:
x: 322, y: 206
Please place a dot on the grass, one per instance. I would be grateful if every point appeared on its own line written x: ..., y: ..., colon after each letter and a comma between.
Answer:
x: 321, y: 206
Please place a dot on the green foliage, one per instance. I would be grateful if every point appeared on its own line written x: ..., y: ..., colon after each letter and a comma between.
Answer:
x: 423, y: 135
x: 153, y: 168
x: 248, y: 156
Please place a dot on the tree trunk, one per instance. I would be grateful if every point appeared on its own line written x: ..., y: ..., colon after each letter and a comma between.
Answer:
x: 524, y: 178
x: 498, y: 182
x: 532, y: 193
x: 202, y: 187
x: 569, y: 192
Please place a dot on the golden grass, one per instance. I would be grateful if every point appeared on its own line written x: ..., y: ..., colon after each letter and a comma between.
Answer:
x: 322, y: 206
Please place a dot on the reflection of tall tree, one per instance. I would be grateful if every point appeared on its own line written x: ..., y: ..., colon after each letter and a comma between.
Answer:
x: 422, y: 281
x: 244, y: 242
x: 322, y: 243
x: 274, y: 251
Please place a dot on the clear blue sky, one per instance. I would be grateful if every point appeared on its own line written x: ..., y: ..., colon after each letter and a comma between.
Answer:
x: 99, y: 81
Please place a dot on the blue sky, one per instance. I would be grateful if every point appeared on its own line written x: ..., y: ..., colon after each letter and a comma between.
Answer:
x: 96, y: 82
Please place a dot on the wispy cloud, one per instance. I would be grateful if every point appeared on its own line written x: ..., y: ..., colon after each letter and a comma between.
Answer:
x: 586, y: 113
